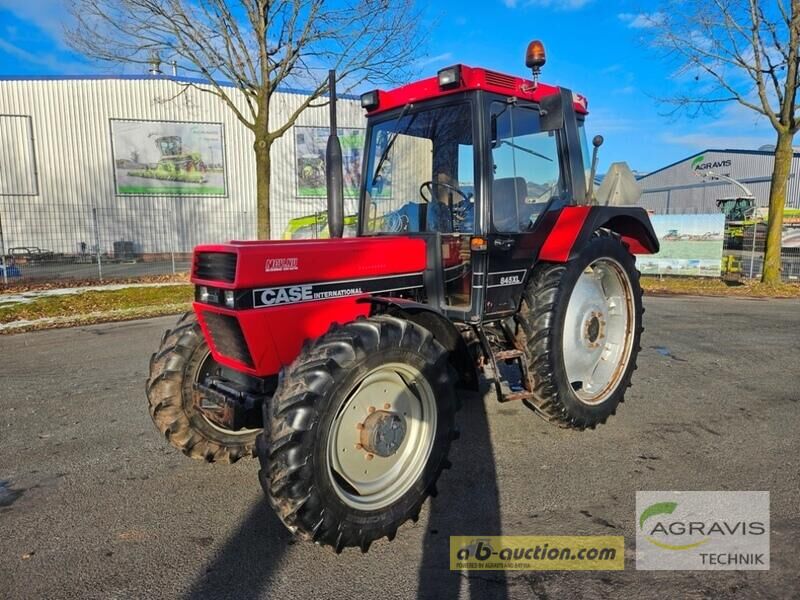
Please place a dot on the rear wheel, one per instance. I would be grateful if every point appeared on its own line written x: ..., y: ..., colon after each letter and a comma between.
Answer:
x: 183, y: 359
x: 358, y: 432
x: 582, y: 323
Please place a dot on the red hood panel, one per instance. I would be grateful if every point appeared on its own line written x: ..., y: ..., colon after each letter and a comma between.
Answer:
x: 291, y: 261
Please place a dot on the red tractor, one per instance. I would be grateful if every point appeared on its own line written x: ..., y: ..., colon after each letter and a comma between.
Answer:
x: 340, y: 363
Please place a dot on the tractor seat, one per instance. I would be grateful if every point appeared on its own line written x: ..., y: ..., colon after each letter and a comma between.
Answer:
x: 508, y: 194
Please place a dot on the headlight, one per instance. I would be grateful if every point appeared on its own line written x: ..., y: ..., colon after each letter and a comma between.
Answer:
x: 230, y: 300
x: 203, y: 293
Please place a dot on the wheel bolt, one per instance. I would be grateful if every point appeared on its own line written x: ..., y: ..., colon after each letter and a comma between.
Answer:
x: 370, y: 456
x: 387, y: 406
x: 359, y: 426
x: 359, y: 446
x: 371, y: 409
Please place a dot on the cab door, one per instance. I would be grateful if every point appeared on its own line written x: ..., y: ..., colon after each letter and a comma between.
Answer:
x: 525, y: 183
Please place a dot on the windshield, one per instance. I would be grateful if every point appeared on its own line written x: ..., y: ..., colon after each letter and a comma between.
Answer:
x: 420, y: 170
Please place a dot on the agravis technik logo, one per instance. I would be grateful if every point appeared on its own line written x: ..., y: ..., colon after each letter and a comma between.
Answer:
x: 702, y: 530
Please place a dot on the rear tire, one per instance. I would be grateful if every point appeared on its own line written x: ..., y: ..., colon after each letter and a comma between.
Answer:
x: 578, y: 316
x: 182, y: 359
x: 339, y: 387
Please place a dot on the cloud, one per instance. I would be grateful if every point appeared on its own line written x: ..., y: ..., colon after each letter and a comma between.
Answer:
x: 555, y: 4
x: 711, y: 140
x: 611, y: 69
x: 42, y: 59
x: 642, y: 20
x: 431, y: 60
x: 607, y: 121
x: 50, y: 16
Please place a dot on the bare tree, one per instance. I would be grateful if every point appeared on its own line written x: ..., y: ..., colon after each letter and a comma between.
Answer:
x: 257, y: 46
x: 743, y: 51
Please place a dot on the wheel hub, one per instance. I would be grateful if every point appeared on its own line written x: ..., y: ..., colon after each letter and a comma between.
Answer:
x: 594, y: 329
x: 382, y: 433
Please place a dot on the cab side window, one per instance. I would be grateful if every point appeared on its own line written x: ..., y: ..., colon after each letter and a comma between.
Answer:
x: 525, y: 165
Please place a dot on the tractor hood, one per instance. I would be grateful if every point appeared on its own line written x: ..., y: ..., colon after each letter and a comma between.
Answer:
x: 238, y: 265
x: 257, y: 302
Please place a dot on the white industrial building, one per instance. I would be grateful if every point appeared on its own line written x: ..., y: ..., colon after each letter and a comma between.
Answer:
x: 86, y: 163
x: 681, y: 188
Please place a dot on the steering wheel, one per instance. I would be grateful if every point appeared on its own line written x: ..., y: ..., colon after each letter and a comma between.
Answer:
x: 429, y: 186
x: 396, y: 223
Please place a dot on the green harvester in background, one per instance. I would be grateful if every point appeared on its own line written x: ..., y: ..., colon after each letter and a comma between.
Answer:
x: 174, y: 164
x: 313, y: 227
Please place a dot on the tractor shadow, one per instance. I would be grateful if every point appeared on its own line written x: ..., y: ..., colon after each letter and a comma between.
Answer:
x: 243, y: 567
x: 468, y: 504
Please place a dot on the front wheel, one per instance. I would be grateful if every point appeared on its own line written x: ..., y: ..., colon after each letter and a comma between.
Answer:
x: 358, y: 432
x: 582, y: 323
x: 183, y: 359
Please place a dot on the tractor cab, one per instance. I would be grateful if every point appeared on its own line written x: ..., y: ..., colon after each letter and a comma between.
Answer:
x: 477, y: 163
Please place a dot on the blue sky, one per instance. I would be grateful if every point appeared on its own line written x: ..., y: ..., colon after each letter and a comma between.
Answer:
x: 593, y: 46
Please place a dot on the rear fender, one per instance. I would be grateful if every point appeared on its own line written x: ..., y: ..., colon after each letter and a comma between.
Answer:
x: 443, y: 330
x: 575, y: 226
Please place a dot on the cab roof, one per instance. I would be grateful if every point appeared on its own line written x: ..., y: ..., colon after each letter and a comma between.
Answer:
x: 472, y: 78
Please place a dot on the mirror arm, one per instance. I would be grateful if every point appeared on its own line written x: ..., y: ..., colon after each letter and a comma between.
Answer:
x: 596, y: 142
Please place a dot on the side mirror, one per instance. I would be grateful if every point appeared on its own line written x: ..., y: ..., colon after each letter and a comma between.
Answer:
x: 551, y: 113
x: 493, y: 132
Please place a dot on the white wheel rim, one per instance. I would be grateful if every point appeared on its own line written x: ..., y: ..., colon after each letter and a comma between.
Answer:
x: 395, y: 402
x: 598, y: 331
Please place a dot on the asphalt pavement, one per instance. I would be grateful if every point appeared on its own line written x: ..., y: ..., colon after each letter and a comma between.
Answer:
x: 94, y: 504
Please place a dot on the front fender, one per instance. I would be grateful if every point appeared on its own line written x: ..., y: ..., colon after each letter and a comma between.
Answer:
x: 575, y: 226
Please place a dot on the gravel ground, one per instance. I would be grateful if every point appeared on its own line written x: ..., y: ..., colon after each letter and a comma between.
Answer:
x: 94, y: 504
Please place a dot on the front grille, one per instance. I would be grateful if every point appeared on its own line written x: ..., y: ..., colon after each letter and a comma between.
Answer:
x: 227, y: 337
x: 501, y: 80
x: 215, y: 266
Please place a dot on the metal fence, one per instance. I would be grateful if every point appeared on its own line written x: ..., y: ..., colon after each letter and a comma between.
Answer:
x: 85, y: 243
x: 75, y: 244
x: 743, y: 251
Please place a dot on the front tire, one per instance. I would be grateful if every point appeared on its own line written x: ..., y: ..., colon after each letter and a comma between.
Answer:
x: 182, y: 359
x: 358, y: 432
x: 582, y: 322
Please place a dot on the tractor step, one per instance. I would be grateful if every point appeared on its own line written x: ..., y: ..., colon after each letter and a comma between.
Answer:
x: 516, y: 396
x: 508, y: 355
x: 544, y: 408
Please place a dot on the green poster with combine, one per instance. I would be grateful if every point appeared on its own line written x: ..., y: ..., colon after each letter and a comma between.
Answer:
x: 168, y: 158
x: 310, y: 145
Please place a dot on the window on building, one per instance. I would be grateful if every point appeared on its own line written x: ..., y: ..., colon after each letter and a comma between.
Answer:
x: 17, y: 160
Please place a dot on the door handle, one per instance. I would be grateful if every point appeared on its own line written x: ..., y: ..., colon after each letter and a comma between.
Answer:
x: 504, y: 243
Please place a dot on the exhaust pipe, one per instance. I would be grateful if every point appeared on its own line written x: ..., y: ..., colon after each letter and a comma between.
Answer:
x: 333, y: 169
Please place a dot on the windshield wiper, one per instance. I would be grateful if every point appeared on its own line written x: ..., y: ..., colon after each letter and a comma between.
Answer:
x: 528, y: 150
x: 389, y: 145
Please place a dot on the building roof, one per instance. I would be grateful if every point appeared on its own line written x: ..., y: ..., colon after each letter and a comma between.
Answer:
x: 148, y: 77
x: 720, y: 150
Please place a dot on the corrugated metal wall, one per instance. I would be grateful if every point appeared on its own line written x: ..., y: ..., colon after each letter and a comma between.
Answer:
x: 678, y: 189
x: 57, y: 172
